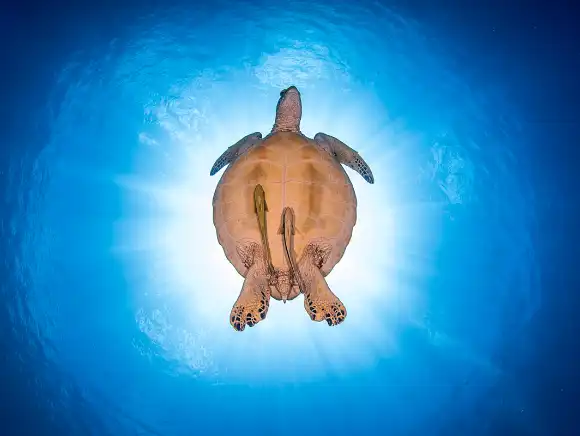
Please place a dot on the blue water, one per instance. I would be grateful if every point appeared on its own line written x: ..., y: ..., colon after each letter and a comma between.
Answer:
x: 116, y: 295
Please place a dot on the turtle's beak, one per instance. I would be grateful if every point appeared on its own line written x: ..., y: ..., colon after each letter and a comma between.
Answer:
x: 289, y: 89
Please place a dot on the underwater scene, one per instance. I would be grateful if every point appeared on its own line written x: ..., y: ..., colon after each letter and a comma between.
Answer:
x: 286, y: 218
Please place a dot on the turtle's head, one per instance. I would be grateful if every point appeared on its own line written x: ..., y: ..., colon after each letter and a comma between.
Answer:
x: 288, y: 111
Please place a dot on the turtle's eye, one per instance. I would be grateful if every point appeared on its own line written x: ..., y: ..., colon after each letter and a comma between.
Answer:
x: 283, y: 92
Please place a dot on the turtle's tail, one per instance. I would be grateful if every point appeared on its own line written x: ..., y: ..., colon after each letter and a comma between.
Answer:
x: 287, y: 230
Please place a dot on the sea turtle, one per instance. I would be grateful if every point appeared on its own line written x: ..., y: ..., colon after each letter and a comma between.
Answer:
x: 299, y: 185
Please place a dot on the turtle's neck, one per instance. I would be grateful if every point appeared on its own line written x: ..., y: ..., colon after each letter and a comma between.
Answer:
x: 286, y: 122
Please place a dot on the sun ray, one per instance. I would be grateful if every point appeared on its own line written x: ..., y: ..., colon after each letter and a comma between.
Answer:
x: 171, y: 227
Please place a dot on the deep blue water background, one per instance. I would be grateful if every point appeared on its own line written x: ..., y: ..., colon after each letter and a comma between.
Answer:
x: 491, y: 98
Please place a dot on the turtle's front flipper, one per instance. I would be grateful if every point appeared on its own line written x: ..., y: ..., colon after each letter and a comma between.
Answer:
x: 345, y: 155
x: 235, y: 151
x: 319, y: 301
x: 252, y: 305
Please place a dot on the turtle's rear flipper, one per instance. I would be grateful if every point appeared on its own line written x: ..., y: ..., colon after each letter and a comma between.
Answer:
x: 319, y: 301
x: 252, y: 304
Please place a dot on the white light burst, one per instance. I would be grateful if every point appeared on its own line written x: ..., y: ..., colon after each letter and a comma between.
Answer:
x: 186, y: 286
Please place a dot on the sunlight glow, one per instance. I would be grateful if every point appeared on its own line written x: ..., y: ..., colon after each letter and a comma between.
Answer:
x: 187, y: 286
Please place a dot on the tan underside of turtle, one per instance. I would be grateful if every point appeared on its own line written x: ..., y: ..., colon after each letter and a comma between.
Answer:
x: 294, y: 173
